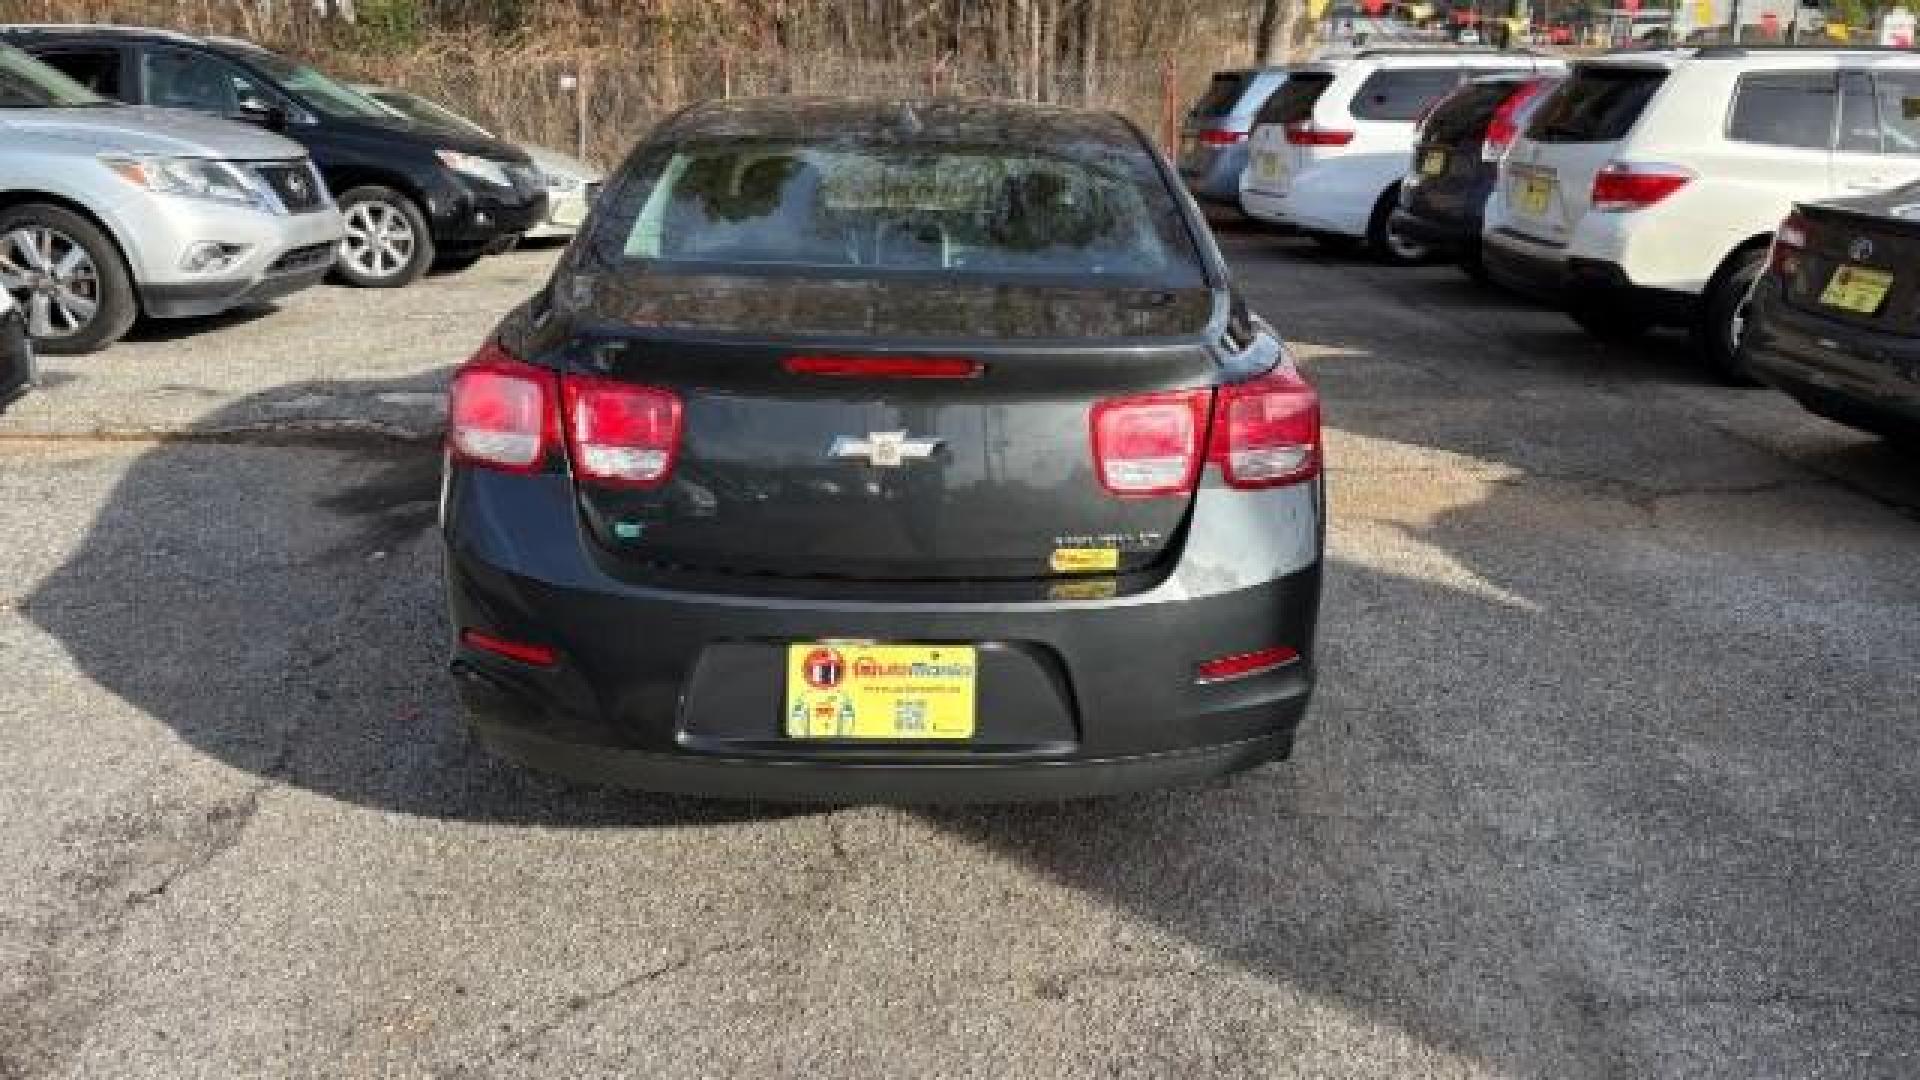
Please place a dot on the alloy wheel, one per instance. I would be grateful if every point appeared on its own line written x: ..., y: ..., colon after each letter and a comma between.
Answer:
x: 52, y: 277
x: 380, y: 241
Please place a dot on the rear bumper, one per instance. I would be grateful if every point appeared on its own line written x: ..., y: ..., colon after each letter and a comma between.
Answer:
x: 678, y: 689
x: 853, y: 782
x: 1213, y: 175
x: 1548, y: 273
x: 1443, y: 234
x: 1846, y: 372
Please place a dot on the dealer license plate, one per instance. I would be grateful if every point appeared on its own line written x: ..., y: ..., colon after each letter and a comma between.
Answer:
x: 1856, y: 288
x: 1266, y: 165
x: 1433, y: 163
x: 1535, y: 194
x: 849, y: 690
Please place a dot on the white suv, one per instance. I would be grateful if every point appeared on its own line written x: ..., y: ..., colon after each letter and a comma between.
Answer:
x: 1646, y: 191
x: 1333, y: 142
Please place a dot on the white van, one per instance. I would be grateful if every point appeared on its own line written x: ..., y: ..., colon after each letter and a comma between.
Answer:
x: 1646, y: 191
x: 1329, y: 148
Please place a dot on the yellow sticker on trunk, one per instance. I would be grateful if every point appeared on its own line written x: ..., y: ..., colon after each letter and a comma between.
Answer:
x: 1085, y: 560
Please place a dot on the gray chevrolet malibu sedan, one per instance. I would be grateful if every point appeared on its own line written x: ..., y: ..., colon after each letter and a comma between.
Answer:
x: 108, y: 212
x: 886, y: 450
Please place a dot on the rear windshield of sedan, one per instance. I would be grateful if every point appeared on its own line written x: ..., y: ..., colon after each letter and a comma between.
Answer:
x: 948, y: 210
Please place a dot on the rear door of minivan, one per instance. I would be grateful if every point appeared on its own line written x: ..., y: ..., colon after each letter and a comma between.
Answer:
x: 1547, y: 179
x: 1271, y: 158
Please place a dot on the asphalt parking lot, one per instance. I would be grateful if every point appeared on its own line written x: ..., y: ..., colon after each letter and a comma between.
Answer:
x: 1614, y: 769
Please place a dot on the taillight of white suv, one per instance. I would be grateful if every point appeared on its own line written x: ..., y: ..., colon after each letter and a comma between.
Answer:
x: 1625, y: 186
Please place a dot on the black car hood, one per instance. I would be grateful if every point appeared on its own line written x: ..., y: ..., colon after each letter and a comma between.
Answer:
x: 778, y: 306
x: 428, y: 137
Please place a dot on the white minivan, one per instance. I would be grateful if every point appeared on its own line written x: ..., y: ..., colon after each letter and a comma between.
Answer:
x: 1647, y: 190
x: 1330, y: 146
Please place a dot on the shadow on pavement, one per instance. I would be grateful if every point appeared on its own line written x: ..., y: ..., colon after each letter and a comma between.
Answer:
x: 278, y: 605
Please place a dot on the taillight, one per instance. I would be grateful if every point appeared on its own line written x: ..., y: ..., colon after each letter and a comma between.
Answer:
x: 1505, y: 125
x: 1789, y: 243
x: 1220, y: 137
x: 502, y: 413
x: 619, y: 434
x: 1308, y: 134
x: 1266, y: 431
x: 1149, y: 445
x: 1622, y: 187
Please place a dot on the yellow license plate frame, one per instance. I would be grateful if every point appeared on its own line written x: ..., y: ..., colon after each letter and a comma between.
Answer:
x: 865, y: 691
x: 1433, y: 163
x: 1858, y: 289
x: 1534, y: 193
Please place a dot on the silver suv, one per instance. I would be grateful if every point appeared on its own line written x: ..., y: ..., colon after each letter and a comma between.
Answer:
x: 107, y: 212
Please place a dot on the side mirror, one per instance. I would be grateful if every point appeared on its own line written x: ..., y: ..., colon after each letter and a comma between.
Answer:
x: 271, y: 117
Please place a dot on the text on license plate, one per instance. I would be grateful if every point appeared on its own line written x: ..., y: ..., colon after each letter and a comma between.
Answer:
x: 849, y: 690
x: 1433, y: 163
x: 1856, y: 288
x: 1535, y: 194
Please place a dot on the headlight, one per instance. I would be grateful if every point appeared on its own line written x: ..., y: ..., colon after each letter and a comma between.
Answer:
x: 556, y: 181
x: 193, y: 178
x: 491, y: 172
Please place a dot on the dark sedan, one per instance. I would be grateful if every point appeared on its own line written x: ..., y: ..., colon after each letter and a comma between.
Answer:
x: 886, y: 450
x: 1456, y: 161
x: 1835, y: 318
x: 16, y: 351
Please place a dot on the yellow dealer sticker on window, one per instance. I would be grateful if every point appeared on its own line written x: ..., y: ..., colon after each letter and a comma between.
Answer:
x: 841, y: 690
x: 1103, y: 560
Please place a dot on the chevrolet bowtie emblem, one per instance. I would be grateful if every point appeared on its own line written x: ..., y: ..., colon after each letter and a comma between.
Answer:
x: 883, y: 449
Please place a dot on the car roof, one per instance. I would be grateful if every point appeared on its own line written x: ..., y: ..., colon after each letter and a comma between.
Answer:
x: 903, y: 120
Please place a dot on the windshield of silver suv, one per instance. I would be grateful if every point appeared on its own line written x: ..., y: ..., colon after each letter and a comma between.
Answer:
x: 26, y: 83
x: 317, y: 90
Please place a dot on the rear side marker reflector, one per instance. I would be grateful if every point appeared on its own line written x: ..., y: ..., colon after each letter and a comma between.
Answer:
x: 884, y: 367
x: 1241, y: 665
x: 536, y: 655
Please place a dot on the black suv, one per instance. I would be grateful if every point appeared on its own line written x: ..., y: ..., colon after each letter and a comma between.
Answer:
x: 413, y: 196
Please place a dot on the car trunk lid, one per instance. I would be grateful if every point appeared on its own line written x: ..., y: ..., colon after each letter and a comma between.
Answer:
x: 892, y: 430
x: 1857, y: 263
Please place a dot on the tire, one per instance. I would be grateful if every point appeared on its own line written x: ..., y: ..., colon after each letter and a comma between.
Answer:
x: 1717, y: 330
x: 56, y: 300
x: 1385, y: 244
x: 1611, y: 324
x: 1473, y: 263
x: 388, y: 244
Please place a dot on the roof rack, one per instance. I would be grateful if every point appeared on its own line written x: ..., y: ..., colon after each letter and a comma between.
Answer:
x: 1443, y: 48
x: 94, y: 28
x: 1711, y: 51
